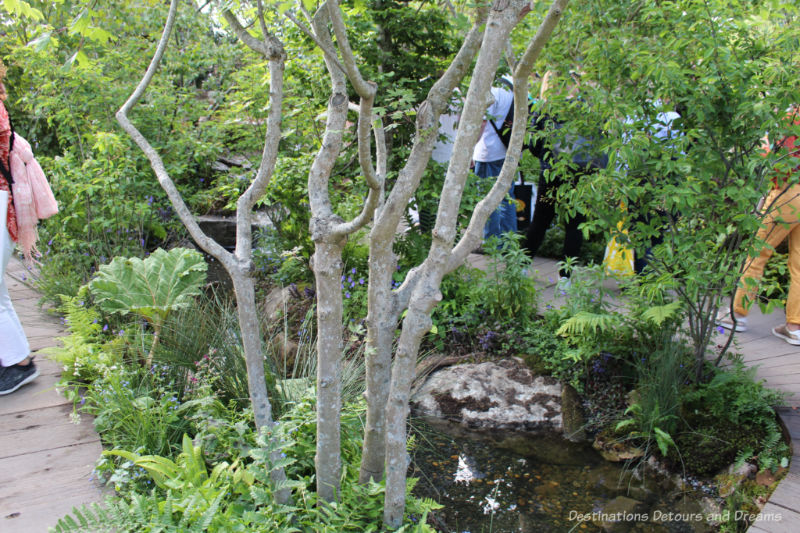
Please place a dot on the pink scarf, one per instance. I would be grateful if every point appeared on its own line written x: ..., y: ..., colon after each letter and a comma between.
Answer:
x: 33, y: 199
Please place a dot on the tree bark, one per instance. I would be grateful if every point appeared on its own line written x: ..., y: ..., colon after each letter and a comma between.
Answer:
x: 327, y: 265
x: 237, y: 264
x: 423, y: 284
x: 383, y: 305
x: 329, y: 235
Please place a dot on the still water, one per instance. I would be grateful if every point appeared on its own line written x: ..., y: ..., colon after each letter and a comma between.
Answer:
x: 505, y: 483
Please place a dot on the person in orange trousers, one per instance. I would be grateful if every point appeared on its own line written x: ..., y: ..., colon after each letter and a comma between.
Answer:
x: 782, y: 220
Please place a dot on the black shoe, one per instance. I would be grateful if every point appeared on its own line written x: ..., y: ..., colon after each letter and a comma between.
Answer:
x: 14, y: 377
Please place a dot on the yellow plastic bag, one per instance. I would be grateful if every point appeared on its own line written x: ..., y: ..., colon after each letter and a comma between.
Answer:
x: 618, y: 259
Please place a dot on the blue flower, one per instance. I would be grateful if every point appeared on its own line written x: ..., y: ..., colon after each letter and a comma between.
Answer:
x: 720, y: 330
x: 347, y: 294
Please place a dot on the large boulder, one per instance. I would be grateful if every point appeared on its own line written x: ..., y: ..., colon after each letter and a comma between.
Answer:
x: 491, y: 396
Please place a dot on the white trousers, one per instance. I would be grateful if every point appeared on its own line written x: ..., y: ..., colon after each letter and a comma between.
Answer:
x: 13, y: 343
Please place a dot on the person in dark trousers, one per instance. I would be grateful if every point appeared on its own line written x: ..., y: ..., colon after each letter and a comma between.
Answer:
x: 581, y: 164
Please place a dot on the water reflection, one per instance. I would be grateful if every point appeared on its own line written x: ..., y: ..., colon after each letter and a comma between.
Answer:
x: 504, y: 483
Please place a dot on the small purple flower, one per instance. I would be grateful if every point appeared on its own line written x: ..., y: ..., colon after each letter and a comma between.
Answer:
x: 347, y: 294
x: 105, y: 327
x: 50, y: 242
x: 720, y: 330
x: 141, y: 242
x: 349, y: 279
x: 352, y: 284
x: 353, y: 270
x: 360, y: 281
x: 121, y: 332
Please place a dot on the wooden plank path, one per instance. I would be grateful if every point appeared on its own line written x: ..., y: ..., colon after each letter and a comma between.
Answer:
x: 46, y: 461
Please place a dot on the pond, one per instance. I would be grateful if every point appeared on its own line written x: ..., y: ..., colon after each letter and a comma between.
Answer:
x: 506, y: 483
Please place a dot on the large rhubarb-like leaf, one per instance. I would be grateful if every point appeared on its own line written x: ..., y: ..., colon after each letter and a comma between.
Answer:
x: 152, y: 287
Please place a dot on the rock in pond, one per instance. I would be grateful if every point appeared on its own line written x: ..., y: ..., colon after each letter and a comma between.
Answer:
x: 496, y: 395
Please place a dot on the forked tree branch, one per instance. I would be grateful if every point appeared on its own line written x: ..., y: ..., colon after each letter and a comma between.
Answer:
x: 181, y: 209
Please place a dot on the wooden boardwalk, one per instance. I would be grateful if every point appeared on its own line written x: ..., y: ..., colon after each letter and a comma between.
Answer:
x: 46, y: 461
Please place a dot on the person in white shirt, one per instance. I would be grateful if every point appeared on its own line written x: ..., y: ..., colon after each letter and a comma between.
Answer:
x: 489, y: 155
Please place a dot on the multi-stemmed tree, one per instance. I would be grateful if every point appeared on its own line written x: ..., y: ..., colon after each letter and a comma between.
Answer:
x: 388, y: 382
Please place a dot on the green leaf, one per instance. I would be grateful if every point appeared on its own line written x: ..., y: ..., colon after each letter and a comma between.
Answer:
x: 624, y: 423
x: 663, y: 440
x: 151, y: 287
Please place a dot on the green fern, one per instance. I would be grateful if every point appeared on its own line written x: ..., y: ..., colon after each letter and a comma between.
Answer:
x: 659, y: 314
x: 585, y: 322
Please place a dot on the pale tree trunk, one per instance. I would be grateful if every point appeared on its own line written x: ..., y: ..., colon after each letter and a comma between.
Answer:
x: 238, y: 264
x: 384, y: 307
x: 442, y: 257
x: 329, y: 234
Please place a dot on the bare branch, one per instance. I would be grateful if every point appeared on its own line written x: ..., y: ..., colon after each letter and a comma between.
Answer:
x: 241, y: 32
x: 261, y: 21
x: 363, y: 88
x: 336, y: 117
x: 329, y: 51
x: 269, y: 156
x: 522, y: 72
x: 438, y: 99
x: 531, y: 54
x: 205, y: 242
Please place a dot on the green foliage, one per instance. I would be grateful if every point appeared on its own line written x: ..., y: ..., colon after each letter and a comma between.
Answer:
x: 737, y: 396
x: 730, y: 416
x: 660, y: 379
x: 724, y: 66
x: 507, y: 293
x: 87, y: 353
x: 138, y: 410
x: 239, y: 496
x: 152, y: 287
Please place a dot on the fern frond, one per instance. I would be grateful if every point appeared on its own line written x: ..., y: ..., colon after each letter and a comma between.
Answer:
x: 584, y: 322
x: 659, y: 314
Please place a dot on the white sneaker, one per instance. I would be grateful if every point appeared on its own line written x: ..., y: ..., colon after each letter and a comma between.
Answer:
x: 725, y: 320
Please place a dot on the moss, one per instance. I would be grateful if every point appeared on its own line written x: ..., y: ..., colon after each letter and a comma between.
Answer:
x: 536, y: 363
x: 708, y: 445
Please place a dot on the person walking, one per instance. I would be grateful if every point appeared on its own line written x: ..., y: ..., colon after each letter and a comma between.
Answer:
x: 16, y: 365
x: 582, y: 161
x: 489, y: 155
x: 781, y: 221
